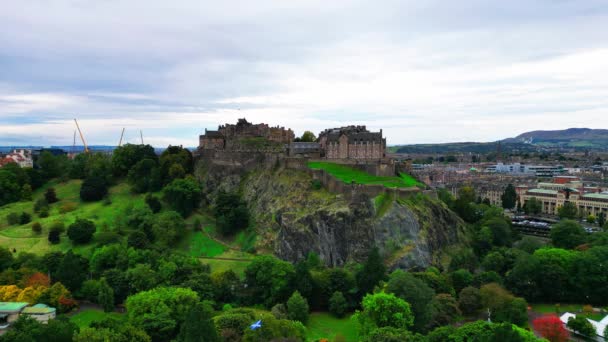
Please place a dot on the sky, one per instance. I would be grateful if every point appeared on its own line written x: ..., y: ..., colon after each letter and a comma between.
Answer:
x: 423, y: 71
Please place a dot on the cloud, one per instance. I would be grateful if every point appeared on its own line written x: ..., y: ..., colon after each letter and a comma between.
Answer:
x: 424, y: 71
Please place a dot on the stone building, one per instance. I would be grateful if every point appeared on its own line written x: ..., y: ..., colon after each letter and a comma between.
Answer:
x: 352, y: 142
x: 228, y: 136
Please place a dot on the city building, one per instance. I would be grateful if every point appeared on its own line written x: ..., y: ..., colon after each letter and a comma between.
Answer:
x: 552, y: 199
x: 352, y: 142
x: 542, y: 171
x: 22, y: 157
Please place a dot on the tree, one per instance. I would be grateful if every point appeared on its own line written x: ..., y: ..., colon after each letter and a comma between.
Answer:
x: 601, y: 219
x: 469, y: 300
x: 461, y: 278
x: 445, y: 310
x: 308, y: 136
x: 567, y: 234
x: 50, y: 165
x: 93, y: 189
x: 10, y: 190
x: 126, y: 156
x: 105, y: 296
x: 338, y: 304
x: 591, y: 219
x: 161, y: 311
x: 270, y: 279
x: 37, y: 228
x: 72, y: 271
x: 509, y: 197
x: 383, y: 310
x: 372, y: 273
x: 50, y: 196
x: 183, y: 195
x: 25, y: 218
x: 414, y: 291
x: 533, y: 206
x: 140, y: 176
x: 297, y: 308
x: 178, y: 156
x: 567, y: 211
x: 138, y: 239
x: 389, y: 334
x: 198, y: 326
x: 231, y: 212
x: 12, y: 219
x: 81, y: 231
x: 154, y: 203
x: 551, y: 328
x: 168, y: 227
x: 55, y: 231
x: 581, y: 325
x: 142, y: 277
x: 6, y: 258
x: 26, y: 192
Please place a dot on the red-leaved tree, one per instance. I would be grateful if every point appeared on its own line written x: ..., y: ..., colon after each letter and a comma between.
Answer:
x: 38, y: 279
x: 551, y: 328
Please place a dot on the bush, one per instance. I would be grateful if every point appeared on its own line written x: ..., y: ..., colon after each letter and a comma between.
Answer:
x: 154, y: 203
x: 81, y: 231
x: 41, y: 204
x: 315, y: 184
x: 12, y: 218
x: 67, y: 207
x: 138, y: 239
x: 43, y: 213
x: 25, y: 218
x: 93, y: 189
x: 107, y: 238
x: 54, y: 236
x: 50, y: 196
x: 338, y: 304
x: 297, y: 308
x: 36, y: 228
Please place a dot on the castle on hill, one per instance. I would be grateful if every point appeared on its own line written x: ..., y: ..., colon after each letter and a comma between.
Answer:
x: 343, y: 143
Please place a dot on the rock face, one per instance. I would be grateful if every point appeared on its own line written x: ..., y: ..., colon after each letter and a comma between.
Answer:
x: 293, y: 219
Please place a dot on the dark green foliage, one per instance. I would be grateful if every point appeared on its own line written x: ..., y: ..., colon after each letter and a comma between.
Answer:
x: 37, y: 228
x: 276, y: 330
x: 81, y: 231
x: 198, y: 326
x: 270, y: 280
x: 183, y: 195
x: 40, y: 205
x: 567, y: 234
x: 316, y: 184
x: 501, y: 231
x: 532, y: 206
x: 50, y: 196
x: 126, y: 156
x: 105, y: 296
x: 93, y: 189
x: 36, y: 179
x: 461, y: 278
x: 308, y: 136
x: 581, y: 325
x: 26, y: 192
x: 153, y: 203
x: 383, y: 310
x: 469, y: 300
x: 390, y: 334
x: 72, y: 271
x: 601, y: 219
x: 297, y: 308
x: 177, y: 158
x: 445, y: 310
x: 54, y: 235
x: 567, y: 211
x: 509, y: 197
x: 231, y: 213
x: 12, y: 218
x: 27, y: 329
x: 372, y: 273
x: 142, y: 176
x: 303, y: 280
x: 25, y: 218
x: 168, y: 228
x: 138, y: 239
x: 6, y: 258
x: 338, y: 304
x: 414, y: 291
x: 51, y: 166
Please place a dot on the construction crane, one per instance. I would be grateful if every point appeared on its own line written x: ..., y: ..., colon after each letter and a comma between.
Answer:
x: 86, y: 148
x: 121, y: 135
x: 141, y: 135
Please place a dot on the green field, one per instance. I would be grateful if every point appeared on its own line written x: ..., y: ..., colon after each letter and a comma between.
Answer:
x: 69, y: 207
x: 201, y: 245
x: 348, y: 174
x: 573, y: 308
x: 324, y: 325
x: 85, y: 317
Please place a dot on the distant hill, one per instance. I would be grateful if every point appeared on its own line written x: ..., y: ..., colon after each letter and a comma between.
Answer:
x: 568, y: 139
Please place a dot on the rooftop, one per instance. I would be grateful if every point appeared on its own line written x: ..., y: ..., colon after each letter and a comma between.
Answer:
x: 598, y: 196
x: 38, y: 309
x: 12, y: 306
x: 543, y: 191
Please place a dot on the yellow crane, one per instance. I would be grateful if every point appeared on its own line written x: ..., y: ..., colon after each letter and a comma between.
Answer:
x: 86, y: 148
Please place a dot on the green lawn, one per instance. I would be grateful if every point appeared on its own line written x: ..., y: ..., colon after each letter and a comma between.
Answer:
x: 86, y: 317
x: 202, y: 245
x: 324, y: 325
x: 348, y: 174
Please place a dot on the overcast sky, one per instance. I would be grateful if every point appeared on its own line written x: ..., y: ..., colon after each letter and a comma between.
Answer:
x: 424, y: 71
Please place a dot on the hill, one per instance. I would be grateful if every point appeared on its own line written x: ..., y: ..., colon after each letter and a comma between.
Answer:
x: 534, y: 141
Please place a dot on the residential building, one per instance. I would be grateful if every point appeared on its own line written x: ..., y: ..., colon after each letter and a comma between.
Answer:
x: 40, y: 312
x: 22, y: 157
x: 542, y: 171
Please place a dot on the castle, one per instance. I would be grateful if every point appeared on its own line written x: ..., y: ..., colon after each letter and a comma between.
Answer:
x: 352, y: 142
x: 229, y: 136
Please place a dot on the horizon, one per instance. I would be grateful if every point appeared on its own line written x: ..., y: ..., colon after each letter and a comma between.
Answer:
x: 425, y: 73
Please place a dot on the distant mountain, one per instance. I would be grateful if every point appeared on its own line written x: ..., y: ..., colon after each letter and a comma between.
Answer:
x: 567, y: 139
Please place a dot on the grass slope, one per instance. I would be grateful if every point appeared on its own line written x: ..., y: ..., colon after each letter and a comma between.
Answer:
x: 84, y: 318
x: 348, y: 174
x: 323, y: 325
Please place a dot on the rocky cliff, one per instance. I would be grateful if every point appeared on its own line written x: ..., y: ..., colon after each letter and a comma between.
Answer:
x: 292, y: 218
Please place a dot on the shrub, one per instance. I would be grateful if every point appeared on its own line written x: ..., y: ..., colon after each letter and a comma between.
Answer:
x: 93, y: 189
x: 315, y: 184
x: 50, y: 196
x: 338, y: 304
x: 40, y: 205
x: 25, y: 218
x: 12, y: 218
x: 43, y: 213
x: 297, y: 308
x: 37, y: 228
x: 54, y: 236
x: 81, y: 231
x: 154, y: 203
x: 67, y: 207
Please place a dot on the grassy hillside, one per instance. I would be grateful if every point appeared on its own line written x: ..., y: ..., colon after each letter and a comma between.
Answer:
x: 348, y: 174
x: 205, y: 244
